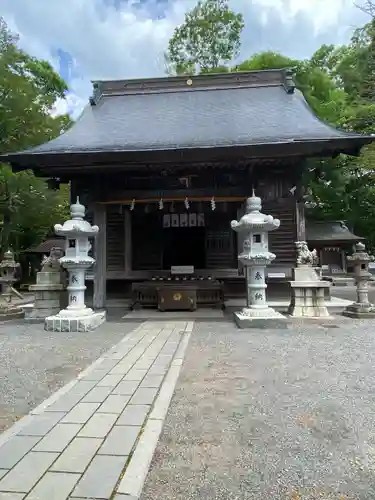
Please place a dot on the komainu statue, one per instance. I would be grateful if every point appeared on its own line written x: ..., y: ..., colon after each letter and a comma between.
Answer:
x: 51, y: 263
x: 306, y: 257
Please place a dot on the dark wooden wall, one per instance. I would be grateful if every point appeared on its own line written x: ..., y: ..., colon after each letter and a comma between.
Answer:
x: 273, y: 184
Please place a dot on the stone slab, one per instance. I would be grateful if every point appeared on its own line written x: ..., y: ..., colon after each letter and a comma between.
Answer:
x: 77, y: 455
x: 75, y: 393
x: 12, y: 496
x: 120, y: 440
x: 100, y: 478
x: 99, y: 425
x: 27, y: 472
x: 54, y: 486
x: 119, y: 496
x: 152, y: 381
x: 110, y: 380
x: 41, y: 424
x: 126, y: 387
x: 134, y: 415
x: 158, y: 370
x: 96, y: 375
x: 58, y: 438
x: 134, y: 375
x: 115, y: 403
x: 13, y: 450
x: 97, y: 395
x: 143, y: 396
x: 80, y: 413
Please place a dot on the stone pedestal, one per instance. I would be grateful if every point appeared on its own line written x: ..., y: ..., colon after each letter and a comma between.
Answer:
x: 308, y: 294
x: 308, y: 299
x: 47, y: 292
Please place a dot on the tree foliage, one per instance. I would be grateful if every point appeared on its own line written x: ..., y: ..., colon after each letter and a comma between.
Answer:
x: 208, y: 39
x: 29, y: 89
x: 338, y: 82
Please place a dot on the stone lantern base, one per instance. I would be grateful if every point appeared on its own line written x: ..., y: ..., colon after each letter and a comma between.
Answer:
x: 257, y: 318
x: 68, y: 323
x: 10, y: 311
x: 358, y: 311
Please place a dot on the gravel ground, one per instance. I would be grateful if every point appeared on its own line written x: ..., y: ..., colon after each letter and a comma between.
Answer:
x: 35, y: 363
x: 271, y: 415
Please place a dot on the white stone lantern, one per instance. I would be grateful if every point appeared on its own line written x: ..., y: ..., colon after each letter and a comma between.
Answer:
x: 77, y: 231
x: 255, y: 256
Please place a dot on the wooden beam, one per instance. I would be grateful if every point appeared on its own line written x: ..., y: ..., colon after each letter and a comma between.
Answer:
x: 173, y: 198
x: 128, y: 243
x: 100, y: 276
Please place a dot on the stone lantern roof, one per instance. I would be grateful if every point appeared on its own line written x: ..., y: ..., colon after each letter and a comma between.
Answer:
x: 76, y: 224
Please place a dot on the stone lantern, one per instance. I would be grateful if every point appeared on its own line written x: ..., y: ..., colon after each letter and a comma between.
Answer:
x: 76, y: 317
x: 8, y: 269
x: 255, y: 256
x: 360, y: 260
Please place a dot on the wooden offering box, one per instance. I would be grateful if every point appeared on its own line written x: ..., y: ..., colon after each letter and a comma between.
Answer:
x: 177, y: 298
x: 178, y: 294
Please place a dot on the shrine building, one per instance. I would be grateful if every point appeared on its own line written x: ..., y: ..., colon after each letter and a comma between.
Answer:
x: 164, y: 164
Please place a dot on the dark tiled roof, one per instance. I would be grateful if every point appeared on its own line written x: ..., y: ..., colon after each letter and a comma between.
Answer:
x: 45, y: 246
x: 328, y: 231
x: 238, y: 109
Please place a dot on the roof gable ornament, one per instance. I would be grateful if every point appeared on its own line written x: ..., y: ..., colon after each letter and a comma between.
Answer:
x: 289, y: 84
x: 96, y: 94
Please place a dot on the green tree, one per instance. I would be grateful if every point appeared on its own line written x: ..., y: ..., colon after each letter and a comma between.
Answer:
x: 28, y: 90
x: 332, y: 82
x: 208, y: 39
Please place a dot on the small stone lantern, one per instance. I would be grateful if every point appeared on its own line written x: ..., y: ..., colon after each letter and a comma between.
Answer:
x: 255, y: 256
x: 76, y: 317
x: 360, y: 261
x: 8, y: 269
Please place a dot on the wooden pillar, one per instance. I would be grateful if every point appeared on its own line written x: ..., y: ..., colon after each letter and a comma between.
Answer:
x: 300, y: 221
x: 343, y: 260
x: 240, y: 239
x: 100, y: 276
x: 128, y: 243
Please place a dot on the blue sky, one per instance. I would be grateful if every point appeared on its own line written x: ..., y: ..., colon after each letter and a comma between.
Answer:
x: 103, y: 39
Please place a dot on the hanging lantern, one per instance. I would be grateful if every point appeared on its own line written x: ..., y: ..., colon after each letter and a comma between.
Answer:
x: 132, y: 205
x: 161, y: 204
x: 213, y: 203
x: 187, y: 204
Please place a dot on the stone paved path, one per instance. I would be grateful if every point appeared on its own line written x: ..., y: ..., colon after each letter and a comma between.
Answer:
x: 95, y: 437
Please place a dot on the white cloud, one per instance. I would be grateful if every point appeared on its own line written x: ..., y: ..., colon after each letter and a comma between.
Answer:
x: 128, y: 41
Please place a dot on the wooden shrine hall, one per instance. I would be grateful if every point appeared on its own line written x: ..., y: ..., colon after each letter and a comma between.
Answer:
x: 164, y: 164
